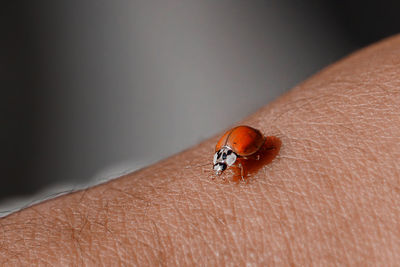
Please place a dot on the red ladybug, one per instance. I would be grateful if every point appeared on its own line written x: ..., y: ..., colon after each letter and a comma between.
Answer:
x: 238, y: 142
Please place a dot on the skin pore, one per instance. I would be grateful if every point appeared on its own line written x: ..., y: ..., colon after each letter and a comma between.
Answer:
x: 330, y: 197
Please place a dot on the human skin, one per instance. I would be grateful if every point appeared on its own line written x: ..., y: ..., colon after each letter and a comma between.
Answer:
x: 330, y: 197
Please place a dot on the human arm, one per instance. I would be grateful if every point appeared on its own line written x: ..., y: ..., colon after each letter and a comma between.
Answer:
x: 330, y: 197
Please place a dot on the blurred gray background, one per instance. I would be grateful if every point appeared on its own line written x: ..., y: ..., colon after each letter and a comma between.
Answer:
x: 93, y: 86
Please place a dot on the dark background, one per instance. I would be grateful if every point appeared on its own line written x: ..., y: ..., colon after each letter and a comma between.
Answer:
x: 93, y: 86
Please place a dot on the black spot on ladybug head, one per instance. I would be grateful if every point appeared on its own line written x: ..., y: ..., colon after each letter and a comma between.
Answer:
x: 219, y: 168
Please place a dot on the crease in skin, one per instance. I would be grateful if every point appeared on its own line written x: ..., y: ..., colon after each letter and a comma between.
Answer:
x: 296, y: 218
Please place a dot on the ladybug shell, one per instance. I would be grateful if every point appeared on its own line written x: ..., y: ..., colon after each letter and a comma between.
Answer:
x: 244, y: 140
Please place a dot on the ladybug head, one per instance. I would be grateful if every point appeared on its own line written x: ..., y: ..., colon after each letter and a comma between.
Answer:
x: 223, y: 158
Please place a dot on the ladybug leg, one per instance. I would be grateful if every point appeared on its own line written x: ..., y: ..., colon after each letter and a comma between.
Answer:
x: 241, y: 172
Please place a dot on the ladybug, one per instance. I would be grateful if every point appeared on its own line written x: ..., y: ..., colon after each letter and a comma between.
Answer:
x: 238, y: 142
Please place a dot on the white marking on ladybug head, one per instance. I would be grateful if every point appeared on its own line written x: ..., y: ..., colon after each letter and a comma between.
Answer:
x: 215, y: 157
x: 223, y: 158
